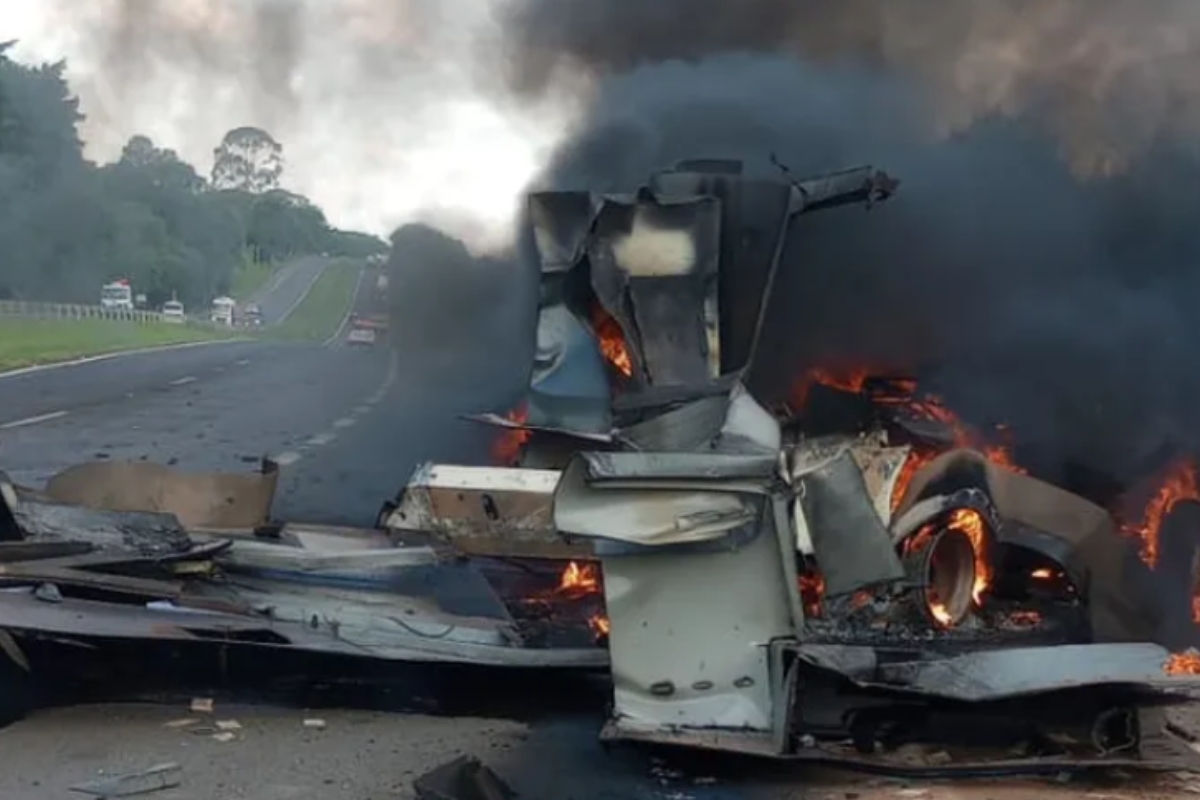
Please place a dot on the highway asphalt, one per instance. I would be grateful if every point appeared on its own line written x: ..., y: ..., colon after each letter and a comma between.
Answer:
x: 280, y: 296
x: 348, y: 423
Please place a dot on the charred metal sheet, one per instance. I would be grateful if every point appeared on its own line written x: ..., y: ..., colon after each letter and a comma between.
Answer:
x: 605, y: 467
x: 653, y: 269
x: 748, y: 427
x: 568, y: 387
x: 648, y: 516
x: 201, y: 500
x: 484, y: 510
x: 1160, y: 751
x: 1079, y: 535
x: 428, y: 640
x: 1006, y: 673
x: 288, y: 558
x: 849, y: 541
x: 126, y: 532
x: 498, y: 421
x: 561, y: 223
x: 690, y: 426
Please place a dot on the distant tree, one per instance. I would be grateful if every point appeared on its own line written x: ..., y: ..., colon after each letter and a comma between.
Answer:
x: 248, y: 160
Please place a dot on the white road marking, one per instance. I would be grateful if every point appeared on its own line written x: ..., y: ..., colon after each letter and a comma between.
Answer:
x: 345, y: 422
x: 184, y: 381
x: 287, y: 458
x: 78, y: 362
x: 321, y: 440
x: 242, y: 362
x: 363, y: 409
x: 21, y: 423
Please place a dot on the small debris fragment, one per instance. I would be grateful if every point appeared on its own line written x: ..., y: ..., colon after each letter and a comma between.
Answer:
x: 313, y: 722
x: 224, y: 736
x: 181, y: 723
x: 464, y: 778
x: 202, y: 705
x: 48, y: 593
x: 154, y: 779
x: 229, y: 725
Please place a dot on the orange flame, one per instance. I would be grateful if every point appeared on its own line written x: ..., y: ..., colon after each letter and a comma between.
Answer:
x: 1177, y: 482
x: 969, y: 521
x: 581, y: 579
x: 612, y: 340
x: 600, y: 625
x: 1042, y: 574
x: 506, y: 450
x: 902, y: 393
x: 1186, y: 663
x: 812, y: 592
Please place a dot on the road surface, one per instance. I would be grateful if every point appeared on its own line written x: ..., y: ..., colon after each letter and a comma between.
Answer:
x: 348, y: 424
x: 287, y: 288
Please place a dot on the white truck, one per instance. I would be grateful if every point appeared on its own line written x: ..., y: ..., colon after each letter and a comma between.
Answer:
x: 117, y: 295
x: 222, y: 311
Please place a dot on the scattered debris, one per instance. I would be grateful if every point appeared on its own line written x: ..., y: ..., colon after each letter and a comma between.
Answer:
x: 229, y: 725
x: 181, y: 723
x: 224, y: 736
x: 202, y: 705
x: 312, y: 722
x: 154, y: 779
x: 464, y: 778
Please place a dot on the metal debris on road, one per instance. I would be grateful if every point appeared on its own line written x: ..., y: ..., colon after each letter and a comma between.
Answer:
x: 154, y: 779
x: 202, y: 705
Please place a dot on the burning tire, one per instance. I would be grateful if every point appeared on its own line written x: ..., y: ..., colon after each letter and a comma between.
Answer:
x: 942, y: 563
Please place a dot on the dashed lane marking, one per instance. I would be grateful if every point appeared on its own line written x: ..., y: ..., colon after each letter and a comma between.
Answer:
x: 184, y: 381
x: 322, y: 439
x: 242, y: 362
x: 40, y: 418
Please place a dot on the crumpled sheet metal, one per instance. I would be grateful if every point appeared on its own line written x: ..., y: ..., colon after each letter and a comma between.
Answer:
x: 211, y: 501
x: 986, y: 675
x: 1080, y: 535
x: 850, y: 543
x: 433, y: 639
x: 644, y: 500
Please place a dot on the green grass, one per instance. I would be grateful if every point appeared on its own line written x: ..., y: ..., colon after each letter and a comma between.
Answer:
x: 323, y: 309
x: 250, y: 276
x: 27, y: 342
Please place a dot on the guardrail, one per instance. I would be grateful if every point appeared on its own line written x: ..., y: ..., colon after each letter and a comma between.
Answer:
x: 22, y: 308
x: 30, y: 310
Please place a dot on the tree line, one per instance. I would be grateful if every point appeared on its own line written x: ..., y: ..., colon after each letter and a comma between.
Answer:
x: 67, y: 226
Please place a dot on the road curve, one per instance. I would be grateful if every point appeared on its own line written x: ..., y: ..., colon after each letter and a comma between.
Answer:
x: 287, y: 288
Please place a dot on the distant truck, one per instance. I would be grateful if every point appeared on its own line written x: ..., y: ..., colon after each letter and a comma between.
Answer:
x: 117, y: 295
x: 222, y: 311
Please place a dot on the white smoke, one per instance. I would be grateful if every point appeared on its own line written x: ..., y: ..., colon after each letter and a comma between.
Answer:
x: 390, y: 111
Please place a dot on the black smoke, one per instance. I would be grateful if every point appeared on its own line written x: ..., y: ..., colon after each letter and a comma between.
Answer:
x: 1039, y: 265
x: 460, y: 322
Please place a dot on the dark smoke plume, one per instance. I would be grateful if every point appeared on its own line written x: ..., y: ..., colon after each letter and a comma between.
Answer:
x: 1039, y: 264
x: 459, y: 321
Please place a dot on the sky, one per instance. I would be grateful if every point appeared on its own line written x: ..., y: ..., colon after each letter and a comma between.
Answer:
x: 389, y: 111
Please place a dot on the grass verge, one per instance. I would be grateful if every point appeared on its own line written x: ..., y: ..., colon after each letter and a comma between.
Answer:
x: 29, y: 342
x: 323, y: 309
x: 250, y: 276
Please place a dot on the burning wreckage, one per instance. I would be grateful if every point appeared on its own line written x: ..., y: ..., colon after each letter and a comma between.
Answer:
x: 751, y: 586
